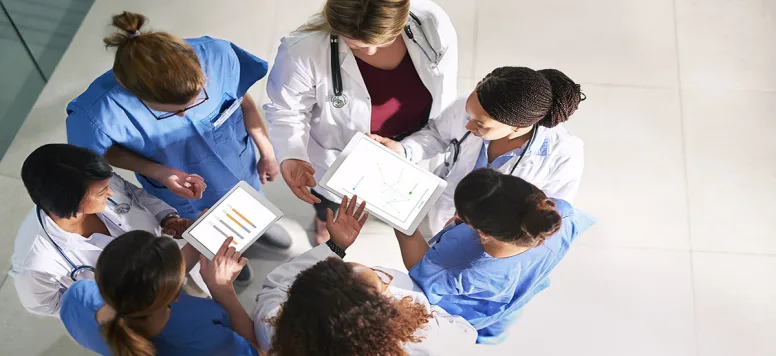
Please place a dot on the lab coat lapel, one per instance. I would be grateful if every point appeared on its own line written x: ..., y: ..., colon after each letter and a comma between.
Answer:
x: 422, y: 66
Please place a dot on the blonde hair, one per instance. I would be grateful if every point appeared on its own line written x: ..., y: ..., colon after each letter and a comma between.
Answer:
x: 155, y: 66
x: 373, y: 22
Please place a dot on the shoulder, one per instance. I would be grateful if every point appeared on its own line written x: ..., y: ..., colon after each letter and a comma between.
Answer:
x: 207, y: 43
x: 303, y: 44
x: 79, y: 296
x: 580, y: 221
x: 562, y: 139
x: 457, y: 248
x: 28, y: 234
x: 434, y: 19
x: 99, y: 92
x: 431, y: 11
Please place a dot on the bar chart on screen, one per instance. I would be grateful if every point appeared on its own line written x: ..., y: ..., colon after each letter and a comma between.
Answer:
x: 239, y: 216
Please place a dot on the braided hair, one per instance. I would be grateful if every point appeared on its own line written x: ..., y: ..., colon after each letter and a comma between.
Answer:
x: 523, y: 97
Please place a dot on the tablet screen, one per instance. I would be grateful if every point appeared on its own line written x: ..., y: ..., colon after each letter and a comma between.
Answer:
x: 239, y: 215
x: 394, y: 188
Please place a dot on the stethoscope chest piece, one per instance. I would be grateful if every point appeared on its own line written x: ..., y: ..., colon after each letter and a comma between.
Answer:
x: 339, y: 101
x: 120, y: 208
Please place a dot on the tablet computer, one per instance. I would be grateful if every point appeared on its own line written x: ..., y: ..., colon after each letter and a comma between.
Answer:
x: 396, y: 190
x: 242, y: 213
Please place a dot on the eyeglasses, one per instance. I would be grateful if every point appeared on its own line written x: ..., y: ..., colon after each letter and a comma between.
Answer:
x: 171, y: 114
x: 385, y: 278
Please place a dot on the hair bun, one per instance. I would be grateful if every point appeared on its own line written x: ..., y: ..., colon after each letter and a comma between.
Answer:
x: 566, y: 96
x: 542, y: 221
x: 129, y: 23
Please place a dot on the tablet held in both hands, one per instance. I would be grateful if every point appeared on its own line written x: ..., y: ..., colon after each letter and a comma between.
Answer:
x: 395, y: 190
x: 242, y: 213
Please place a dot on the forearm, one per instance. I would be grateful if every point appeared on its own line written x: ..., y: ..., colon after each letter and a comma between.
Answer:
x: 190, y: 256
x: 255, y: 127
x: 241, y: 322
x: 413, y: 248
x: 121, y: 157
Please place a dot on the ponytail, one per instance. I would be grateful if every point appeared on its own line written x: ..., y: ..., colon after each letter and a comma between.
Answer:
x: 125, y: 341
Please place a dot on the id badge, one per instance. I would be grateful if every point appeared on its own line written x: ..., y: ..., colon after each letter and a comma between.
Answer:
x: 227, y: 113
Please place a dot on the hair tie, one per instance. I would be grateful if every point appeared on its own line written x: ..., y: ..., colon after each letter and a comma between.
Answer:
x: 134, y: 34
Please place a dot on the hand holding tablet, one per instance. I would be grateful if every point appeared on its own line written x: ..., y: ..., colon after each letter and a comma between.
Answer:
x: 396, y: 190
x: 242, y: 214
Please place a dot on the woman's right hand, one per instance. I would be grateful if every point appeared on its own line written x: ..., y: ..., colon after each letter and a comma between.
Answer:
x: 220, y: 272
x: 184, y: 185
x: 387, y: 142
x: 299, y: 176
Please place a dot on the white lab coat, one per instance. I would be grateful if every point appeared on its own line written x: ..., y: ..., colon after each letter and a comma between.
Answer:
x: 553, y: 163
x: 303, y: 123
x: 444, y: 334
x: 41, y: 274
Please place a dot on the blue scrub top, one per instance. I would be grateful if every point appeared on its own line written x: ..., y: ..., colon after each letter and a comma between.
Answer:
x: 197, y: 326
x: 107, y: 114
x: 459, y: 276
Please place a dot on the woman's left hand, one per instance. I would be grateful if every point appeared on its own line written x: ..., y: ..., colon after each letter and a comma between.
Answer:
x: 268, y: 168
x: 176, y: 226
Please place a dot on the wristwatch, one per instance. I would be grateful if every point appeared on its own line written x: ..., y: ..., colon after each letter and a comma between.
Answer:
x: 334, y: 248
x: 173, y: 215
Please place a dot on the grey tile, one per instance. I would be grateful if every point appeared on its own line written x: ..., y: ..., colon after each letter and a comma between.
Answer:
x: 29, y: 334
x: 730, y: 169
x: 16, y: 205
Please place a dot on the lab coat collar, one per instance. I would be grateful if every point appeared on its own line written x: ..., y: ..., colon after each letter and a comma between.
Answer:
x: 65, y: 240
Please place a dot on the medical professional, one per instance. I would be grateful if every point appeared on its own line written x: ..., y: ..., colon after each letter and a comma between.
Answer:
x: 135, y: 305
x: 380, y: 66
x: 80, y: 206
x: 317, y: 304
x: 498, y: 254
x: 511, y: 122
x: 177, y: 113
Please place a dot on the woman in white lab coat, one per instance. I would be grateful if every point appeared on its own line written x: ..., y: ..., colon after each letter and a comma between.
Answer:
x: 80, y: 206
x: 316, y: 304
x: 511, y: 122
x: 395, y: 65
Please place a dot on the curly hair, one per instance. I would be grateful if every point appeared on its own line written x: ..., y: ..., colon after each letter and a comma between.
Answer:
x: 330, y: 310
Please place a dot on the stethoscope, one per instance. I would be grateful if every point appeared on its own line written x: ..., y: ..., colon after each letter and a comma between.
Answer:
x: 339, y: 100
x: 76, y: 270
x: 454, y: 149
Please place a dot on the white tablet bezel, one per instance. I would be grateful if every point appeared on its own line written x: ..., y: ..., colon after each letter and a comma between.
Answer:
x: 253, y: 193
x: 426, y: 205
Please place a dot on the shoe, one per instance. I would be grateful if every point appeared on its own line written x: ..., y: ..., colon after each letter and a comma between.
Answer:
x: 321, y: 233
x: 276, y: 237
x: 245, y: 277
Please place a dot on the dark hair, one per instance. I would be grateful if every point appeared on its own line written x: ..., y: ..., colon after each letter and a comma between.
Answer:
x: 155, y: 66
x: 330, y: 310
x: 137, y: 274
x: 506, y: 208
x: 522, y: 97
x: 57, y: 177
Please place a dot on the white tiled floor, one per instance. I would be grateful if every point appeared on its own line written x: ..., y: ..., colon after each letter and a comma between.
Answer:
x: 680, y: 164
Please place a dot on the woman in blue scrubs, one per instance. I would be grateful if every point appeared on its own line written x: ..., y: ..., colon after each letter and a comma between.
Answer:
x: 178, y: 114
x: 491, y: 260
x: 135, y: 305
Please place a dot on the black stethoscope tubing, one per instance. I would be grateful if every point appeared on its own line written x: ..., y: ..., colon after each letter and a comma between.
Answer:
x: 339, y: 100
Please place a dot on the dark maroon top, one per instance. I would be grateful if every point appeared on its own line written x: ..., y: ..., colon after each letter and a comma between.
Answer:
x: 400, y: 102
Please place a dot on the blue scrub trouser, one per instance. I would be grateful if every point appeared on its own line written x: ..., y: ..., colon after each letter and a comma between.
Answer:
x: 497, y: 332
